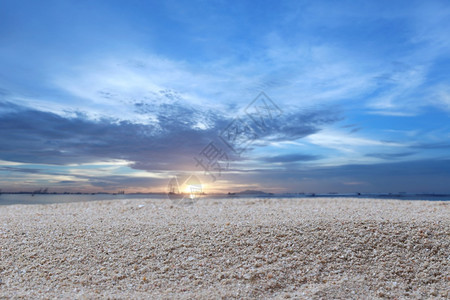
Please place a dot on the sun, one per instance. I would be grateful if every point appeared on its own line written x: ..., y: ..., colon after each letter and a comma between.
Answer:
x: 193, y: 190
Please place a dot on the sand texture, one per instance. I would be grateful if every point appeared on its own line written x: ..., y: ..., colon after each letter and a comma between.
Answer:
x: 230, y: 248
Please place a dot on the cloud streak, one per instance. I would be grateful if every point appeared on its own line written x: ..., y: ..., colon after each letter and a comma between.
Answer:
x: 288, y: 158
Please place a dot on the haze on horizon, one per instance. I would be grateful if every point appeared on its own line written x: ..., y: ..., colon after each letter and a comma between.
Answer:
x: 125, y: 95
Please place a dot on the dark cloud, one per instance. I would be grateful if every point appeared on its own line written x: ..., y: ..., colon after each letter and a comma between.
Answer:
x: 291, y: 158
x: 21, y: 170
x: 169, y: 143
x: 431, y: 175
x: 355, y: 130
x: 298, y: 124
x: 114, y: 182
x: 69, y: 182
x: 390, y: 155
x: 352, y: 128
x: 441, y: 145
x: 108, y: 182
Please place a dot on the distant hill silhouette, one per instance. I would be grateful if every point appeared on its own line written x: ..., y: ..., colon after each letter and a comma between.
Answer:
x: 251, y: 192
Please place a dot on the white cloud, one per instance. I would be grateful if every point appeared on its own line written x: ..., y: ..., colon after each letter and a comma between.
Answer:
x: 345, y: 142
x: 442, y: 98
x: 392, y: 113
x: 398, y: 91
x: 10, y: 163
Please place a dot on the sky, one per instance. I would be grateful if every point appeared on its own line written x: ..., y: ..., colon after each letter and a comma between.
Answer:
x: 279, y: 96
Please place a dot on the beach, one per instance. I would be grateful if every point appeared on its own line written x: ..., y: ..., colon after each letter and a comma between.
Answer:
x: 307, y: 248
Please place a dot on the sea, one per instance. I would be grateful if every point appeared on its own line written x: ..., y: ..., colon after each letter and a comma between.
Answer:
x: 29, y: 199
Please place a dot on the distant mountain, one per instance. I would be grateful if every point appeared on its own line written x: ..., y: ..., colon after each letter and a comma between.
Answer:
x: 251, y: 192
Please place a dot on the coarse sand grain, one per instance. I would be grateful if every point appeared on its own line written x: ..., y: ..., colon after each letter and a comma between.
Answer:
x: 307, y: 248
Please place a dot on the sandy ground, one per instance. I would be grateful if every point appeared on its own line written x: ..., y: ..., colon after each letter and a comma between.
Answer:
x: 254, y: 248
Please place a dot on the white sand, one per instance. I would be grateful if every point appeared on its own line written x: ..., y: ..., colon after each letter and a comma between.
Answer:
x: 309, y: 248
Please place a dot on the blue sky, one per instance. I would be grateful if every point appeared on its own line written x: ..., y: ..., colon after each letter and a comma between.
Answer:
x: 112, y: 95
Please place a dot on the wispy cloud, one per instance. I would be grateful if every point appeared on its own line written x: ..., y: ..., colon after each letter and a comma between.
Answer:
x: 288, y: 158
x: 346, y: 142
x: 390, y: 155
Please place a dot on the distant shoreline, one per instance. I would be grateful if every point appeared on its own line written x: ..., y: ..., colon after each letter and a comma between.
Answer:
x: 53, y: 198
x: 240, y: 194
